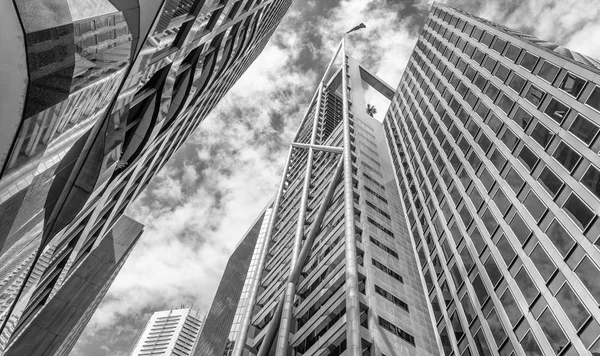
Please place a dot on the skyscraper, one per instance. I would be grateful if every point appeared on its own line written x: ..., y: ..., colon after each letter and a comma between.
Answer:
x: 338, y: 274
x: 465, y: 224
x: 101, y: 94
x: 494, y: 141
x: 169, y: 333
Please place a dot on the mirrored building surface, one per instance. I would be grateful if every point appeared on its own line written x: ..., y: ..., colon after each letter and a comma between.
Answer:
x: 101, y: 94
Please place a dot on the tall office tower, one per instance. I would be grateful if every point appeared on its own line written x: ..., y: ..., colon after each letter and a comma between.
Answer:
x: 221, y: 327
x: 101, y: 94
x: 338, y: 274
x: 495, y: 147
x: 169, y: 333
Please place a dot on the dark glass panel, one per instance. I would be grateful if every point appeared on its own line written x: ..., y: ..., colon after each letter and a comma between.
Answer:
x: 581, y: 214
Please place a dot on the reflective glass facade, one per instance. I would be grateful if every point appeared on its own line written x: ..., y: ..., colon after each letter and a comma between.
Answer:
x: 493, y: 135
x: 104, y: 94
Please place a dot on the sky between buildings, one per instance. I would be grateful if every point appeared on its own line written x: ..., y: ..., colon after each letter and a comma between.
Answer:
x: 203, y: 201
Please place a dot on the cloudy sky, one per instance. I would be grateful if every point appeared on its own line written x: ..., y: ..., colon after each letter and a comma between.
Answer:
x: 199, y: 206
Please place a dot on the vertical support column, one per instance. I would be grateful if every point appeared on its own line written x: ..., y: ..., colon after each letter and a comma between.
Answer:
x: 247, y: 319
x: 352, y: 299
x: 283, y: 338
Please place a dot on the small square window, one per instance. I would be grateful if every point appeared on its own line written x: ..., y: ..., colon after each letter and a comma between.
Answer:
x: 572, y: 85
x: 472, y: 127
x: 490, y: 63
x: 591, y: 179
x: 519, y: 228
x: 548, y: 72
x: 594, y: 99
x: 514, y: 180
x: 505, y: 103
x: 470, y: 73
x: 482, y: 110
x: 557, y: 110
x: 501, y: 201
x: 480, y: 82
x: 584, y: 129
x: 469, y: 49
x: 499, y: 45
x: 484, y: 142
x: 512, y: 52
x: 528, y: 289
x: 517, y: 83
x: 487, y: 39
x: 534, y: 95
x: 492, y: 91
x: 542, y: 135
x: 494, y: 123
x: 502, y: 72
x: 550, y: 182
x: 528, y: 158
x: 477, y: 32
x: 579, y: 212
x: 542, y: 262
x: 522, y: 117
x: 489, y: 221
x: 528, y: 61
x: 509, y: 139
x: 468, y: 28
x: 566, y: 156
x: 478, y: 56
x: 534, y: 205
x: 498, y: 160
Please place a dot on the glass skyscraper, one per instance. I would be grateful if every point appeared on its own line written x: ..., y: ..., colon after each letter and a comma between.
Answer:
x: 97, y: 95
x: 493, y: 135
x: 464, y: 224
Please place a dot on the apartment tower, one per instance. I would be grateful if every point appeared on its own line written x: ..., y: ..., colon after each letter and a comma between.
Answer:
x: 494, y: 139
x: 102, y: 93
x: 169, y: 333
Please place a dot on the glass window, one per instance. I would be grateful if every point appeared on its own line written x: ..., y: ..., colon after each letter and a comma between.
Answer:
x: 520, y: 229
x: 499, y: 45
x: 478, y: 240
x: 509, y: 139
x: 510, y: 306
x: 534, y: 205
x: 542, y: 262
x: 530, y: 346
x: 477, y: 32
x: 489, y: 221
x: 496, y: 327
x: 492, y: 91
x: 489, y: 64
x: 590, y: 276
x: 550, y: 181
x: 466, y: 258
x: 584, y: 129
x: 517, y: 83
x: 465, y: 215
x: 528, y: 158
x: 512, y: 52
x: 514, y: 180
x: 501, y: 201
x: 566, y: 156
x: 487, y: 39
x: 476, y: 198
x: 480, y: 82
x: 572, y: 85
x: 581, y: 214
x: 472, y: 127
x: 594, y: 99
x: 484, y: 142
x: 548, y: 72
x: 553, y: 332
x: 478, y: 56
x: 542, y: 135
x: 560, y: 237
x: 534, y: 95
x: 468, y: 308
x: 591, y: 179
x: 505, y: 103
x: 502, y: 72
x: 506, y: 250
x: 492, y: 270
x: 470, y: 74
x: 486, y: 178
x: 557, y: 110
x: 528, y: 61
x: 522, y: 117
x: 481, y: 344
x: 498, y: 160
x: 494, y: 123
x: 480, y: 291
x: 572, y: 306
x: 526, y: 285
